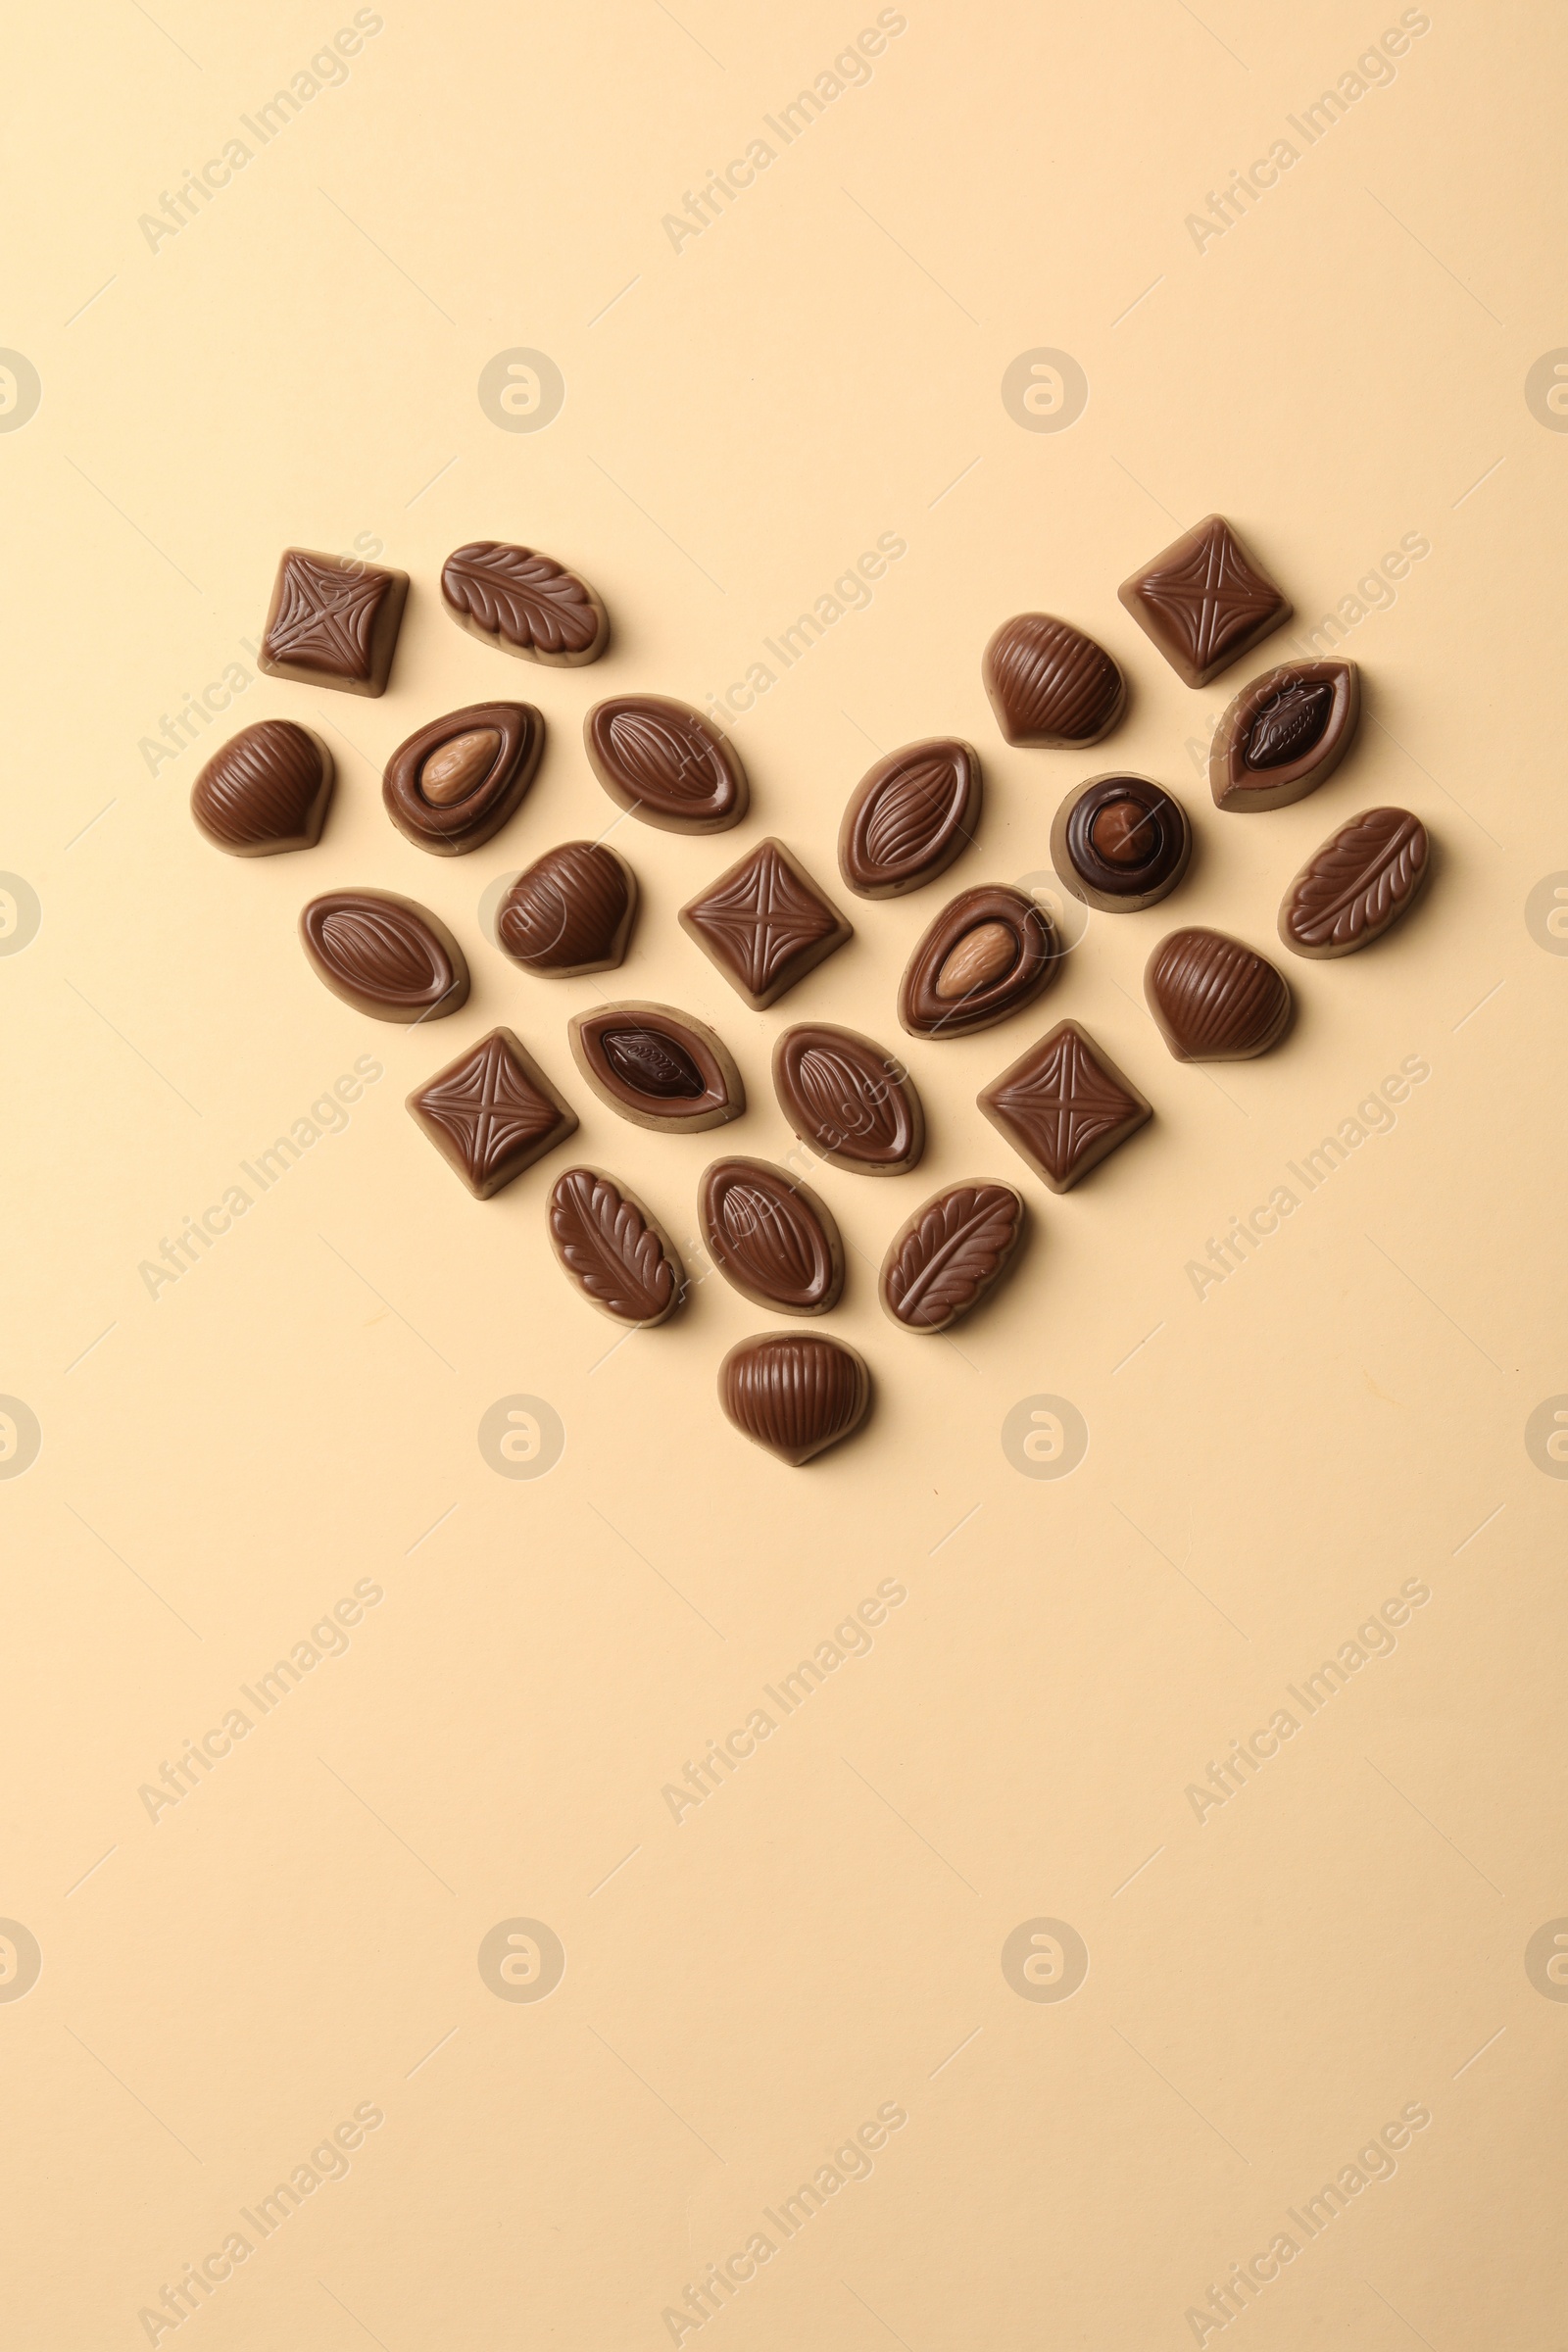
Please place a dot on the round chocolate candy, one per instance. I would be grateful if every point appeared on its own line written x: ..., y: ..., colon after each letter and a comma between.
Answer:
x: 1120, y: 843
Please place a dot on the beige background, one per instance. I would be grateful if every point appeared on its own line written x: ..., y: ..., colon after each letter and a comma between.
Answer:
x: 1268, y: 1985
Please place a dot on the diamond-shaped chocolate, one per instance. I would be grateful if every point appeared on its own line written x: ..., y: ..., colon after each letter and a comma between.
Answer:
x: 1203, y: 601
x: 1064, y: 1106
x: 764, y: 923
x: 332, y: 623
x: 492, y: 1112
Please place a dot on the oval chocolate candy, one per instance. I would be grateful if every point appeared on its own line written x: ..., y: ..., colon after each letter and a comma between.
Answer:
x: 618, y: 1255
x: 851, y: 1101
x: 1357, y: 885
x: 385, y: 956
x: 667, y: 764
x: 523, y: 603
x: 795, y: 1392
x: 1284, y: 735
x: 657, y: 1067
x: 1216, y: 999
x: 570, y: 912
x: 453, y: 785
x: 771, y: 1236
x: 988, y: 955
x: 1121, y: 842
x: 264, y: 791
x: 909, y: 817
x: 950, y: 1253
x: 1051, y: 684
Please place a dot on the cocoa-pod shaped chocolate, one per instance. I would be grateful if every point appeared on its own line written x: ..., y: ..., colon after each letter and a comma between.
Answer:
x: 667, y: 764
x: 657, y: 1067
x: 851, y: 1101
x: 385, y: 956
x: 771, y: 1236
x: 909, y: 817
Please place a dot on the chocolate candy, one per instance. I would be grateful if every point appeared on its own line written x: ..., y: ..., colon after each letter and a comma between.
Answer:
x: 665, y: 762
x: 1203, y: 601
x: 1357, y: 885
x: 619, y: 1256
x: 796, y: 1392
x: 492, y: 1112
x: 1064, y: 1106
x: 950, y: 1253
x: 847, y: 1099
x: 1049, y: 684
x: 764, y: 923
x: 909, y: 816
x: 1284, y: 735
x: 1120, y: 843
x: 570, y: 912
x: 523, y: 603
x: 988, y: 955
x: 453, y: 785
x: 771, y: 1236
x: 333, y: 621
x: 1214, y: 997
x: 266, y: 790
x: 385, y: 956
x: 657, y: 1067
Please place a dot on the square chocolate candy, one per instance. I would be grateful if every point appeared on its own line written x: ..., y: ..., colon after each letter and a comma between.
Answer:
x: 1203, y: 601
x: 492, y: 1112
x: 1064, y: 1106
x: 333, y: 623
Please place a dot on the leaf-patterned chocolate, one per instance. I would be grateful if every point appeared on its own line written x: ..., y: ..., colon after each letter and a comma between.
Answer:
x: 385, y: 956
x: 525, y: 603
x: 1357, y: 885
x: 848, y: 1100
x: 909, y: 817
x: 665, y: 762
x: 950, y: 1253
x: 796, y: 1392
x: 771, y: 1236
x: 613, y: 1250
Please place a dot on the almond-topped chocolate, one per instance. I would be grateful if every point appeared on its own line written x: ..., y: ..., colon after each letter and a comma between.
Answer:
x: 988, y: 955
x: 453, y: 784
x: 665, y: 762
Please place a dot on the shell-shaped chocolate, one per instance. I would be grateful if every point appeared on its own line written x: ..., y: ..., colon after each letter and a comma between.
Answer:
x: 851, y: 1101
x: 570, y: 912
x: 523, y: 603
x: 1214, y: 997
x: 1052, y: 684
x: 909, y: 817
x: 264, y: 791
x: 771, y: 1236
x: 987, y: 954
x: 613, y: 1250
x: 1357, y: 885
x: 1284, y: 735
x: 657, y: 1067
x: 473, y: 788
x: 385, y: 956
x: 796, y: 1392
x: 667, y: 764
x: 945, y: 1259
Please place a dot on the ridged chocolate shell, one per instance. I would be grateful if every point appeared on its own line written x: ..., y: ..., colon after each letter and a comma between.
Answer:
x: 385, y: 956
x: 1051, y: 684
x: 794, y: 1393
x: 771, y: 1236
x: 848, y: 1100
x: 570, y: 912
x: 1214, y: 997
x: 909, y: 817
x: 264, y: 791
x: 665, y: 762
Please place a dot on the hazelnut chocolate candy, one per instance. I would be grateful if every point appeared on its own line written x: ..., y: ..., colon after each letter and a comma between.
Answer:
x: 1121, y: 842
